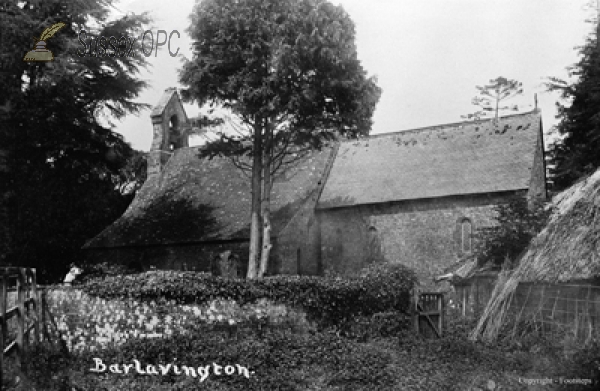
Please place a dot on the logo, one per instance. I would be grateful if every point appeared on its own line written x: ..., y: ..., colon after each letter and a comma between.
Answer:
x: 125, y: 46
x: 39, y: 52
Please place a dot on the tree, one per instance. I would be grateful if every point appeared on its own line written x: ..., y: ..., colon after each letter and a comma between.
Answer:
x: 63, y: 164
x: 517, y: 222
x: 575, y: 154
x: 288, y: 70
x: 134, y: 173
x: 492, y: 94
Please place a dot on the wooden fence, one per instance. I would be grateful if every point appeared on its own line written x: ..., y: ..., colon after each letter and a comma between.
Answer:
x: 573, y: 308
x: 26, y: 309
x: 473, y: 294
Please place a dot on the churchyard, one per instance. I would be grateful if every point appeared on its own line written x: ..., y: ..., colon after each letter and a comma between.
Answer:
x: 167, y: 330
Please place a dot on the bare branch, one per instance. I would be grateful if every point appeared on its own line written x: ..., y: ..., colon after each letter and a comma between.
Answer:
x: 243, y: 167
x: 297, y: 155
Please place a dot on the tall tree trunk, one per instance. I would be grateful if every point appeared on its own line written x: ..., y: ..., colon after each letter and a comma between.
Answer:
x: 256, y: 220
x: 266, y: 202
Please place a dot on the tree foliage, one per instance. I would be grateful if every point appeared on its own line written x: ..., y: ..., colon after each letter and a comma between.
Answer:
x: 517, y: 222
x: 490, y: 95
x: 576, y: 153
x: 64, y: 165
x: 289, y: 72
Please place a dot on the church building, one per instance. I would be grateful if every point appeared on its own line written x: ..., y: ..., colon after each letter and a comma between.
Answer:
x: 414, y: 197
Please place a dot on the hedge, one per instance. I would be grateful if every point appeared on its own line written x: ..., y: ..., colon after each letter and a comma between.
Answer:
x: 379, y: 288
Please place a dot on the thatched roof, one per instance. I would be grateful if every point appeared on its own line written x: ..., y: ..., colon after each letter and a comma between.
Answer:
x: 568, y: 249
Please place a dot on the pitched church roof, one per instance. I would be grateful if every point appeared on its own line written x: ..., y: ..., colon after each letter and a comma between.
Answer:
x: 197, y: 200
x: 454, y: 159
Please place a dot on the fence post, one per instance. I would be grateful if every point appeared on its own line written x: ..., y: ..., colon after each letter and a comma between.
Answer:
x: 43, y: 311
x: 20, y: 317
x: 3, y: 289
x: 465, y: 292
x: 36, y: 305
x: 588, y: 303
x: 442, y: 311
x: 415, y: 311
x: 476, y: 298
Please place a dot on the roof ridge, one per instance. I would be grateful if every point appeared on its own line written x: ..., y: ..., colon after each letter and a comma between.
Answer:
x: 441, y: 126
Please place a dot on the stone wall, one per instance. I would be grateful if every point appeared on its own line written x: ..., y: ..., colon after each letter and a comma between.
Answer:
x: 424, y: 235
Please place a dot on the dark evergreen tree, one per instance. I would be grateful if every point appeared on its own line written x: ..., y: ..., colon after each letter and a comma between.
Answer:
x: 577, y: 152
x: 64, y: 166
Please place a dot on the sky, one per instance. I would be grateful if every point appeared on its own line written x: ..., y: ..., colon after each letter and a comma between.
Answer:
x: 428, y: 55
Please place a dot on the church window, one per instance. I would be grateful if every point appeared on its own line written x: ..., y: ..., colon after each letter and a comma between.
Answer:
x: 466, y: 228
x: 374, y: 245
x: 173, y: 136
x: 173, y: 123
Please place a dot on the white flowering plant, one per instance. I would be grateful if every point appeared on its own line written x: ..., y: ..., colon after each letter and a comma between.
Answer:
x: 87, y: 322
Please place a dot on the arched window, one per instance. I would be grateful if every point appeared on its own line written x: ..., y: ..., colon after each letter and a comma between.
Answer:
x: 466, y: 228
x: 174, y: 138
x: 173, y: 122
x: 374, y: 245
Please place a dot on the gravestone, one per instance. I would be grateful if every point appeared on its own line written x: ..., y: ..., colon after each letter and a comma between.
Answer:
x: 226, y: 265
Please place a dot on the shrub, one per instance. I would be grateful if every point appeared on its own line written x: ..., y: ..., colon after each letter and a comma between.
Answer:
x: 389, y: 286
x: 276, y: 361
x: 586, y: 364
x: 327, y: 300
x: 102, y: 270
x: 517, y: 223
x: 381, y: 325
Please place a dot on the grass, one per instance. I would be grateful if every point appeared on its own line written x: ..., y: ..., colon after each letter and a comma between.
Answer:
x: 282, y: 350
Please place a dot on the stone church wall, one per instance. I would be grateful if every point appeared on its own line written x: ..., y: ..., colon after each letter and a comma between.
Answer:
x: 297, y: 248
x: 424, y: 235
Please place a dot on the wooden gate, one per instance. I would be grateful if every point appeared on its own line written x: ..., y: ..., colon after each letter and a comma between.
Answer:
x: 428, y: 314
